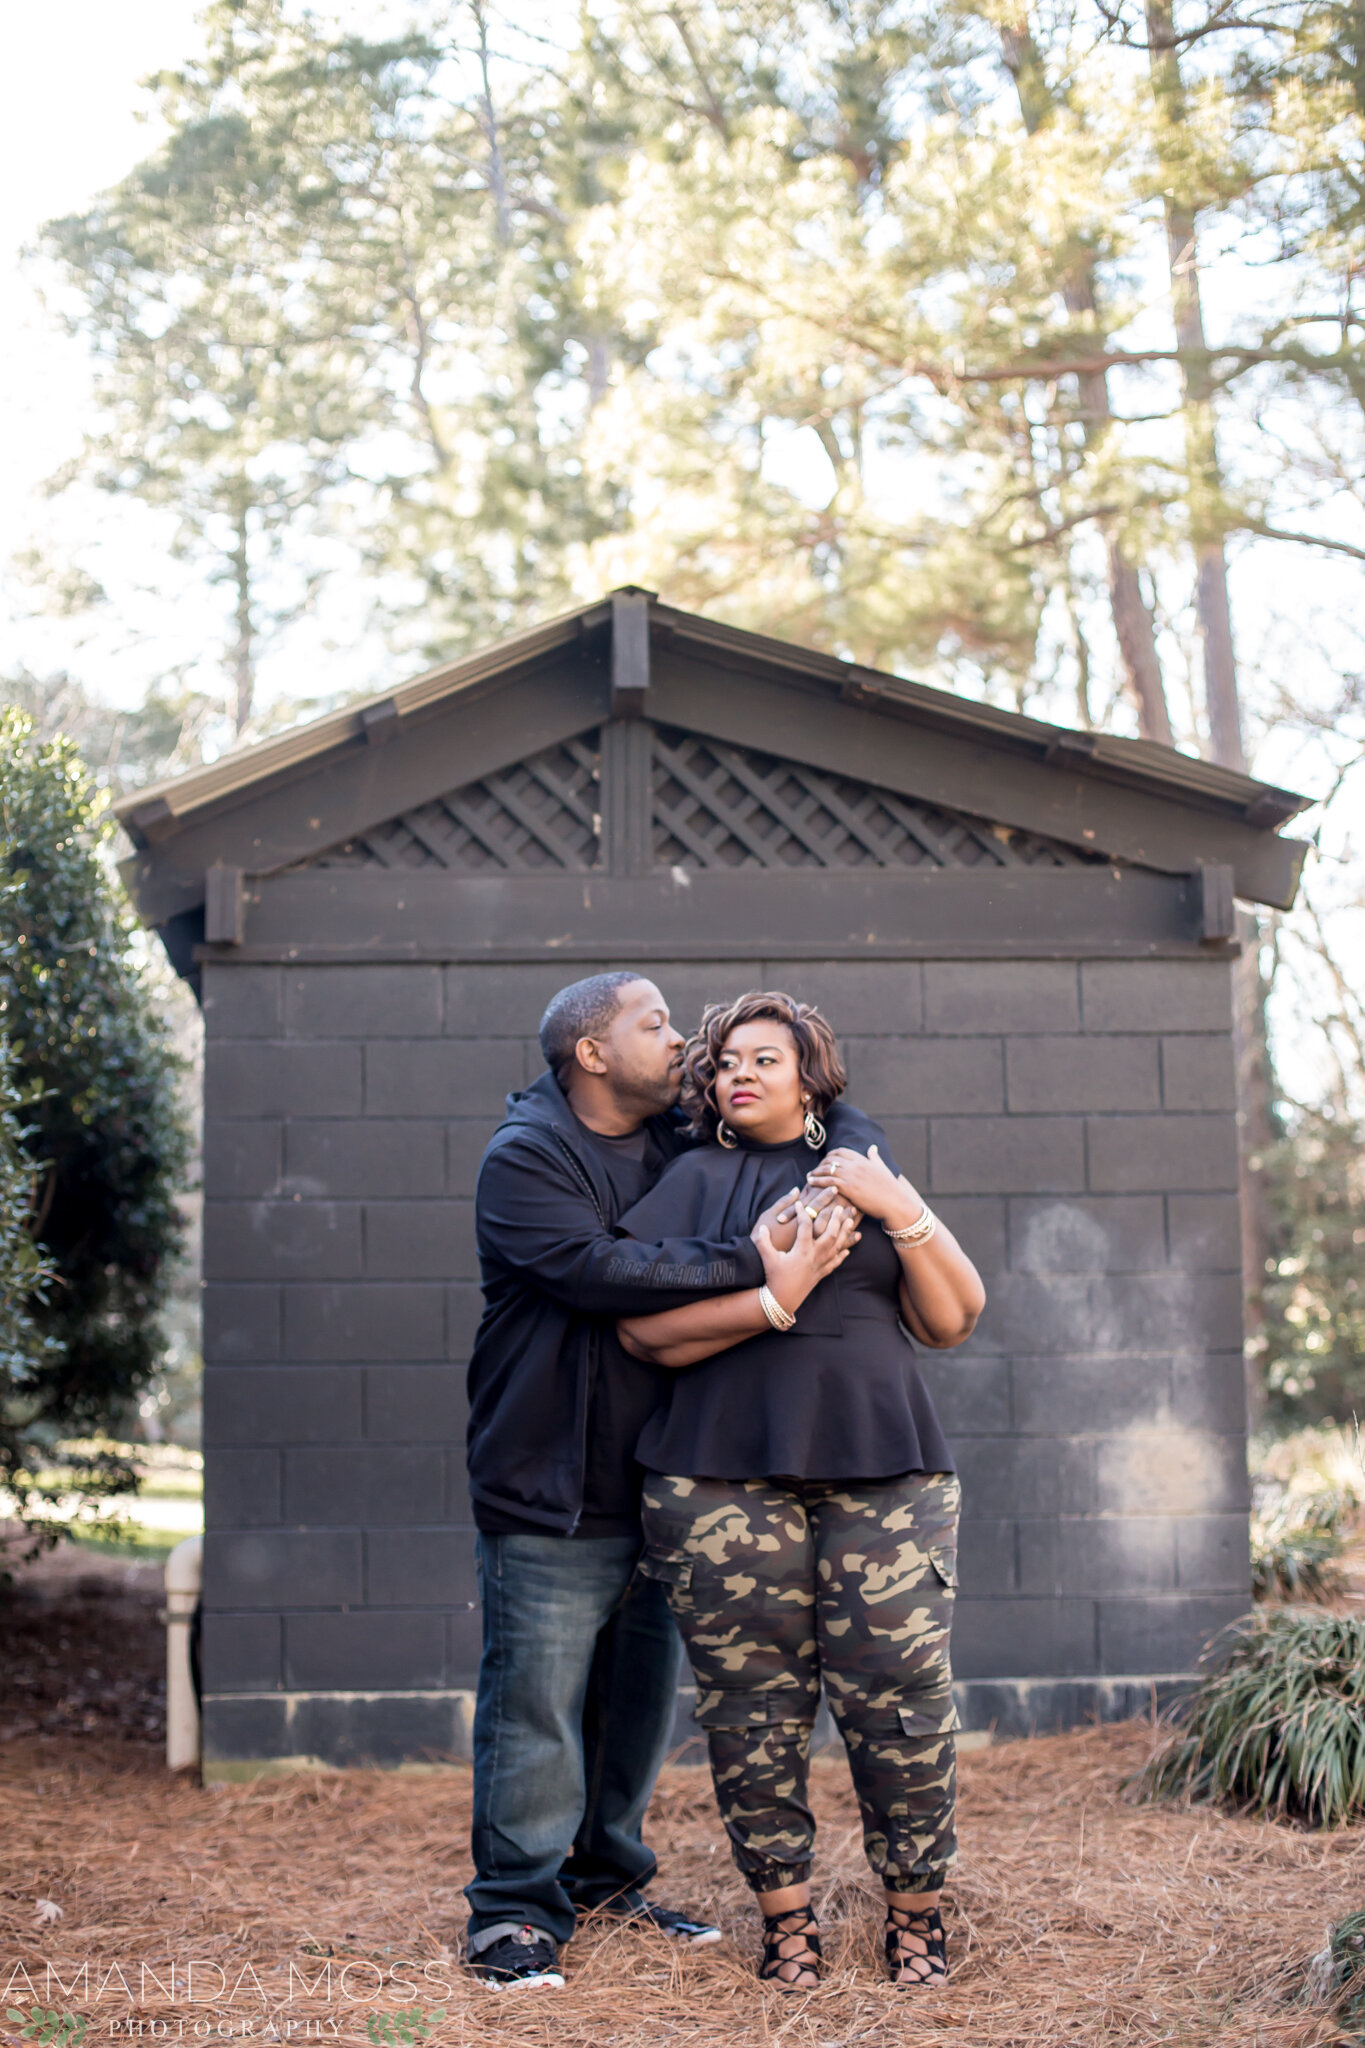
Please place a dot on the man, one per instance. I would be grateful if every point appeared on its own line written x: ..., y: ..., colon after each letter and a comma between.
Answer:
x: 580, y: 1663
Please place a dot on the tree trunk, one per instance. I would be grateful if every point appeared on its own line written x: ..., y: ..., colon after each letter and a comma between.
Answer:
x: 244, y: 636
x: 1201, y: 447
x: 1085, y: 716
x: 1220, y: 668
x: 1133, y: 625
x: 1255, y: 1079
x: 1137, y: 644
x: 497, y: 172
x: 1256, y: 1134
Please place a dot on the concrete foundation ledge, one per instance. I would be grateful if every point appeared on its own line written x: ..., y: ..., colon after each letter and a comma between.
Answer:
x: 1005, y: 1708
x: 261, y: 1734
x: 257, y: 1735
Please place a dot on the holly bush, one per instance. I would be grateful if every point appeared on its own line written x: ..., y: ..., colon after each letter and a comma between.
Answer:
x: 94, y: 1118
x: 24, y: 1274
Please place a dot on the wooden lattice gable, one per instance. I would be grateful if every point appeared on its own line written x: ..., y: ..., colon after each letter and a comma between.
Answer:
x: 544, y: 812
x: 710, y: 805
x: 719, y: 806
x: 630, y: 738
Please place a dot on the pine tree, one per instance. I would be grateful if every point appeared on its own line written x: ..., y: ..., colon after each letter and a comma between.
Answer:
x: 1175, y: 151
x: 1134, y: 629
x: 1314, y: 1335
x: 832, y: 249
x: 221, y: 400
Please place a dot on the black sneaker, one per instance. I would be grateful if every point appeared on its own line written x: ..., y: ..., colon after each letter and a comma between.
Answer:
x: 526, y: 1960
x: 663, y: 1920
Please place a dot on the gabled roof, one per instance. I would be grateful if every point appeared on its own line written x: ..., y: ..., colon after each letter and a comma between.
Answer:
x: 1090, y: 762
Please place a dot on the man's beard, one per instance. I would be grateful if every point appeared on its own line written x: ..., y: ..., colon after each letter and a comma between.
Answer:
x: 658, y: 1092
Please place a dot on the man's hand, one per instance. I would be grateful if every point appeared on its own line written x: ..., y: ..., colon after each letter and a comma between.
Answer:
x: 792, y: 1275
x: 820, y: 1201
x: 782, y: 1210
x: 781, y: 1219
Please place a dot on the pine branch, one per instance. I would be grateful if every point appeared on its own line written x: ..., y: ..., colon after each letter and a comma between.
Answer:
x: 1051, y: 533
x: 1045, y: 368
x: 1307, y: 540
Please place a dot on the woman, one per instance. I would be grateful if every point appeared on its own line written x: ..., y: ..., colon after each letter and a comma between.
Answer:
x: 800, y: 1501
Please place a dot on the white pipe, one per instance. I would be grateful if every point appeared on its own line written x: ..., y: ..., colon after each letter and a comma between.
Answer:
x: 184, y: 1567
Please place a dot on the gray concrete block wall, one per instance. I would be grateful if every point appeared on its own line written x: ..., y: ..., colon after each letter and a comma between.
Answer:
x: 1070, y: 1120
x: 1078, y: 1133
x: 346, y: 1110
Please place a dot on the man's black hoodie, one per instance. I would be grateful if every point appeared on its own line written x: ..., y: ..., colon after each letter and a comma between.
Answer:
x: 553, y: 1271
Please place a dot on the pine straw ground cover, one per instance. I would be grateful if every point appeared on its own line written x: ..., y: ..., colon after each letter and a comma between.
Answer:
x: 1076, y: 1917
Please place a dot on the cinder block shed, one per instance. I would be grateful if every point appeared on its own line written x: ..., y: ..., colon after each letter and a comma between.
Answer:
x: 1024, y: 936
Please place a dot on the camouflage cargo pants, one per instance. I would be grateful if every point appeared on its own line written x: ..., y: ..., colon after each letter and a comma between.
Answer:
x: 778, y: 1585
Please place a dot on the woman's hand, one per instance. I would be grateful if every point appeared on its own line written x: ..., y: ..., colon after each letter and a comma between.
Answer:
x: 792, y: 1275
x: 684, y: 1336
x: 869, y: 1184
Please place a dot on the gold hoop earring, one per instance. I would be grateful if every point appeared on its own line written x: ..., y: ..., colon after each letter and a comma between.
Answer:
x: 726, y: 1137
x: 815, y: 1131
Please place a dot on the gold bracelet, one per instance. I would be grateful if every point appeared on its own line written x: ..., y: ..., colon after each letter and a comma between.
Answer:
x: 918, y: 1232
x: 780, y: 1318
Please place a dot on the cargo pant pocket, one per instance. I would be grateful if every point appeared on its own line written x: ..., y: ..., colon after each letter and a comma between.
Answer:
x: 928, y: 1715
x: 723, y: 1708
x: 672, y: 1568
x: 943, y: 1557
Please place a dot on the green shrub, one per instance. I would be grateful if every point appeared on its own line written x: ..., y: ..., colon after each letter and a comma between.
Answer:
x: 1313, y: 1354
x: 1276, y: 1725
x: 103, y: 1139
x: 1308, y: 1490
x: 1295, y: 1544
x: 1326, y: 1458
x: 24, y: 1274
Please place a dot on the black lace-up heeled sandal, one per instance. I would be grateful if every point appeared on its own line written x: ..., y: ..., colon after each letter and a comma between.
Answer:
x: 791, y: 1957
x: 916, y: 1946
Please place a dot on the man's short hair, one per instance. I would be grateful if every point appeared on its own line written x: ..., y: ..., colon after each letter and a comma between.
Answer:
x: 584, y: 1009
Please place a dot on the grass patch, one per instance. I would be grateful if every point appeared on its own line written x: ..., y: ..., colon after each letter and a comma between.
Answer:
x: 144, y: 1526
x: 133, y: 1541
x: 1276, y: 1725
x: 172, y: 1486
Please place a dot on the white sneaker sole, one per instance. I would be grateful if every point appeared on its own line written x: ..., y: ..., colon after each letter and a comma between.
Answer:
x: 703, y: 1940
x: 543, y: 1980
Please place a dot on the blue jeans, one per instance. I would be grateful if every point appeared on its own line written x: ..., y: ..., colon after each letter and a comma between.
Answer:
x: 577, y: 1690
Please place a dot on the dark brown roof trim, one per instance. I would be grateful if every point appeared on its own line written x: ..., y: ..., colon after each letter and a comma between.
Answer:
x: 153, y: 814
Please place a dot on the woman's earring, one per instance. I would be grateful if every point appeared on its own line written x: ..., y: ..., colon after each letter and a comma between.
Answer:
x: 814, y: 1130
x: 726, y: 1136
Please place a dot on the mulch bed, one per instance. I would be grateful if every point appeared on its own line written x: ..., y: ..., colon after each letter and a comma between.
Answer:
x: 82, y: 1651
x: 1076, y: 1916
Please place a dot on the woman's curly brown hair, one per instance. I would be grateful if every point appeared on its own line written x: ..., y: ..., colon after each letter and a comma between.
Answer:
x: 823, y: 1075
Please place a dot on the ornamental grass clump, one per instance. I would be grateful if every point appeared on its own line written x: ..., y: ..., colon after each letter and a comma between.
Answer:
x: 1346, y: 1984
x: 1276, y: 1726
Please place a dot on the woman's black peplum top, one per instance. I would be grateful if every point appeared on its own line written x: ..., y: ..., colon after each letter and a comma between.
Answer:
x: 837, y: 1397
